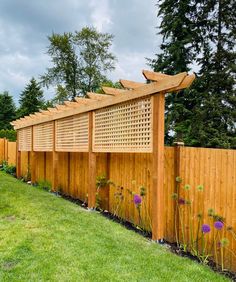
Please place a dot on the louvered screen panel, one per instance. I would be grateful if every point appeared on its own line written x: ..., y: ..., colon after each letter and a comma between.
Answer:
x: 72, y: 133
x: 126, y: 127
x: 43, y: 137
x: 25, y: 139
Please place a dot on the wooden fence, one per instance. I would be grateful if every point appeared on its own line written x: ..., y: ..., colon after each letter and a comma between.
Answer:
x: 7, y: 151
x: 212, y: 169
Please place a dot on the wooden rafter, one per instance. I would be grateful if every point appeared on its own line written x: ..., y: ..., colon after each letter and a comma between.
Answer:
x: 96, y: 96
x: 45, y: 112
x: 113, y: 91
x: 71, y: 104
x: 83, y: 101
x: 131, y: 84
x: 155, y: 76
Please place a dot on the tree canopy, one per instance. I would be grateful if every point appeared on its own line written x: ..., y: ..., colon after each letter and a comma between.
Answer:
x: 80, y: 61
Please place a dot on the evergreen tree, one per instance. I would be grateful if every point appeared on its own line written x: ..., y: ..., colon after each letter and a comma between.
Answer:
x: 204, y: 32
x: 216, y: 85
x: 177, y: 53
x: 8, y: 110
x: 31, y: 99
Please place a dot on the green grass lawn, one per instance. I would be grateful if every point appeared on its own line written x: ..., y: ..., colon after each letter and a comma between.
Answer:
x: 46, y: 238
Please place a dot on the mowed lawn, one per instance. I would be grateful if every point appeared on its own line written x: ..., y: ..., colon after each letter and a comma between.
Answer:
x: 46, y: 238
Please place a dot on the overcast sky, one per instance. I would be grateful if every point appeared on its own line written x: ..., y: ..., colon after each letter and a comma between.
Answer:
x: 25, y: 25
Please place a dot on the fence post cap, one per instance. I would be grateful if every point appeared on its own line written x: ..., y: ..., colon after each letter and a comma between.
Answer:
x: 178, y: 143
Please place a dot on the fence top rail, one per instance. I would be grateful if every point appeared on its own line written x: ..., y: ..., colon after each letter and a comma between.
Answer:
x: 133, y: 90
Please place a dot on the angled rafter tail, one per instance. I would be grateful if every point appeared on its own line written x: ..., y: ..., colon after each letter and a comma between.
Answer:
x: 96, y: 96
x: 130, y: 84
x: 187, y: 81
x: 113, y: 91
x: 154, y: 76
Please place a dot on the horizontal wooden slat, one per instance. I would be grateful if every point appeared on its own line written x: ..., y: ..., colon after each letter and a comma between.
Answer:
x: 25, y: 139
x: 43, y: 137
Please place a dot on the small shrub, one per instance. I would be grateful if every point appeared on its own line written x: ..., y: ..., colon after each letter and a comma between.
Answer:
x: 45, y: 185
x: 10, y: 169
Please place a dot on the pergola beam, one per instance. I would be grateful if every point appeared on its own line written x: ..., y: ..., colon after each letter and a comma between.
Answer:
x: 165, y: 85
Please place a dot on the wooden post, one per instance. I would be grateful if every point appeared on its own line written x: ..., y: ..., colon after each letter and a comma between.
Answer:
x: 18, y: 157
x: 32, y: 159
x: 158, y: 167
x: 177, y: 156
x: 54, y: 161
x: 5, y: 149
x: 108, y: 177
x: 91, y: 167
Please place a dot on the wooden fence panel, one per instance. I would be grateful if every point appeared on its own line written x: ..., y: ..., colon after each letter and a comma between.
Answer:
x: 78, y: 182
x: 40, y: 167
x: 49, y: 167
x: 63, y: 172
x: 130, y: 172
x: 7, y: 151
x: 25, y: 164
x: 11, y: 158
x: 214, y: 170
x: 2, y: 150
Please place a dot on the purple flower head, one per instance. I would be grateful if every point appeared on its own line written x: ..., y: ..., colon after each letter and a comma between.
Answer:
x: 206, y: 228
x: 137, y: 199
x: 181, y: 201
x: 219, y: 225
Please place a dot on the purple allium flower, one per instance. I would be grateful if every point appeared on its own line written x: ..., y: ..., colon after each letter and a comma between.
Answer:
x: 219, y: 225
x: 206, y: 228
x: 181, y: 201
x: 137, y: 199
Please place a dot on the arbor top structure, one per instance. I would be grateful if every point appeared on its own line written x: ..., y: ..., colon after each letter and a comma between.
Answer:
x: 159, y: 83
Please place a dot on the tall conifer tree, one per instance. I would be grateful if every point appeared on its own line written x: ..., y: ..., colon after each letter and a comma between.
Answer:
x: 7, y: 110
x: 203, y: 32
x: 31, y: 99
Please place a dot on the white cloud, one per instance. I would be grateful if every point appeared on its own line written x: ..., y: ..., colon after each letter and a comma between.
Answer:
x: 100, y: 15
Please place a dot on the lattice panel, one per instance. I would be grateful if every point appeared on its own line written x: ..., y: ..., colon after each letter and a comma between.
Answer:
x: 43, y: 137
x: 25, y: 139
x: 72, y: 134
x: 126, y: 127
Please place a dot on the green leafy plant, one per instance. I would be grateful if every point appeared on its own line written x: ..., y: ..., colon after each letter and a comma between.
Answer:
x: 44, y: 184
x: 10, y: 169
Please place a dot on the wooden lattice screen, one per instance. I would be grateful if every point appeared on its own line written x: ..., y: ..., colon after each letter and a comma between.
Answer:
x: 25, y: 139
x: 43, y: 137
x: 125, y: 127
x: 72, y: 133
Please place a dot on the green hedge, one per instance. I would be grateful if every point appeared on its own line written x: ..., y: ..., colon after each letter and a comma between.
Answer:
x: 10, y: 134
